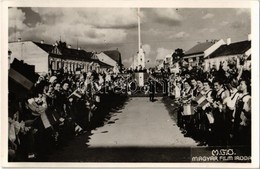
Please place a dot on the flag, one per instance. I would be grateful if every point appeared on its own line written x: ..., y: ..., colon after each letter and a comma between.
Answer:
x: 36, y: 109
x: 210, y: 117
x: 187, y: 110
x: 91, y: 63
x: 45, y: 120
x: 205, y: 104
x: 20, y: 79
x: 50, y: 117
x: 97, y: 98
x: 202, y: 101
x: 22, y: 74
x: 200, y: 98
x: 75, y: 94
x: 153, y: 78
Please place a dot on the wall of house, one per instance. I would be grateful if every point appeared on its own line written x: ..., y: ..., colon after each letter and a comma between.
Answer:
x: 106, y: 59
x: 213, y: 48
x: 30, y: 54
x: 216, y: 61
x: 68, y: 64
x: 193, y: 60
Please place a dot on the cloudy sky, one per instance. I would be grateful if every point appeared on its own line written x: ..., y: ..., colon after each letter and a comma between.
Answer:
x: 97, y: 29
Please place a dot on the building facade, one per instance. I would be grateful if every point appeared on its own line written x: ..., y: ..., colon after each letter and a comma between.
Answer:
x: 116, y: 56
x: 55, y: 57
x: 30, y: 53
x: 106, y: 59
x: 199, y: 52
x: 230, y: 53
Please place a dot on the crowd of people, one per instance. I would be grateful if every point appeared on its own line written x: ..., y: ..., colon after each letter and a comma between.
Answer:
x: 214, y: 107
x: 60, y: 106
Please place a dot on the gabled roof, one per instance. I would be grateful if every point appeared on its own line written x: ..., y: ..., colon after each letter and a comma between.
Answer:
x: 75, y: 53
x: 65, y: 51
x: 199, y: 48
x: 232, y: 49
x: 115, y: 55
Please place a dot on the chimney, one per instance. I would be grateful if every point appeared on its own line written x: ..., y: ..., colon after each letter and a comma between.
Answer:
x: 249, y: 37
x: 69, y: 46
x: 214, y: 40
x: 42, y: 41
x: 19, y: 40
x: 228, y: 41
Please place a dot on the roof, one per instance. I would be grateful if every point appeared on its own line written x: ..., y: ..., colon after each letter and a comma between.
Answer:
x: 75, y: 53
x: 232, y: 49
x: 19, y: 41
x: 46, y: 47
x: 115, y: 55
x: 66, y: 52
x: 199, y: 48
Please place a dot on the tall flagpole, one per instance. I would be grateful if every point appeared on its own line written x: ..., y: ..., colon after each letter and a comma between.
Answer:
x: 140, y: 55
x: 139, y: 30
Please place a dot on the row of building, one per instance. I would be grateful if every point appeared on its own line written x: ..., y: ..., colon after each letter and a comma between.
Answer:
x: 60, y: 56
x: 211, y: 54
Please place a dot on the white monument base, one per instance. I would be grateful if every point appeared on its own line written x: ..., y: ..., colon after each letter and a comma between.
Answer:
x: 140, y: 78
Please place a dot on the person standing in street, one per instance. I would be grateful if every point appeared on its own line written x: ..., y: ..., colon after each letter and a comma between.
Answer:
x: 151, y: 90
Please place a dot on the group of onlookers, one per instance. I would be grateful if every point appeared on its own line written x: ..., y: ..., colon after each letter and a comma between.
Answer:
x: 214, y: 107
x: 58, y: 107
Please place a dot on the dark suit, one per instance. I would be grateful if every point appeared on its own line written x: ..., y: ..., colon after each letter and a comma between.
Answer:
x: 151, y: 90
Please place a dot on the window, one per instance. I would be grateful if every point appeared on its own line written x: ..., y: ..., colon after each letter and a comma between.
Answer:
x: 52, y: 65
x: 58, y: 64
x: 72, y: 66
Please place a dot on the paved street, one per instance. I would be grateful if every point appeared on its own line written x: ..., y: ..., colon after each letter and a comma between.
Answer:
x: 141, y: 123
x: 141, y: 131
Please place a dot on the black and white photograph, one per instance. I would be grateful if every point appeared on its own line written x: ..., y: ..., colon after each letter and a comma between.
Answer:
x: 130, y: 84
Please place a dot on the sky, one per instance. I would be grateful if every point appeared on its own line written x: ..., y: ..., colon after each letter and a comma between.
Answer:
x: 97, y: 29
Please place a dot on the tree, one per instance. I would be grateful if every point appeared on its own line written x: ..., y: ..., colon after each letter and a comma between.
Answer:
x: 177, y: 55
